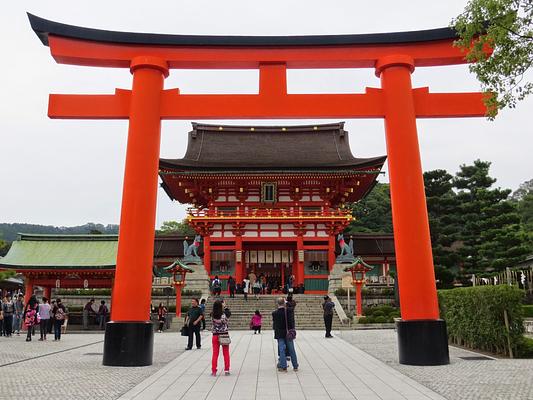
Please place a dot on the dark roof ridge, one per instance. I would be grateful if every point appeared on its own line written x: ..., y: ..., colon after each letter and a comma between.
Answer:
x: 43, y: 27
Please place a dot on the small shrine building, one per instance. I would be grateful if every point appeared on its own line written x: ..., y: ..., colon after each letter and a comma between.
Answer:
x: 270, y: 199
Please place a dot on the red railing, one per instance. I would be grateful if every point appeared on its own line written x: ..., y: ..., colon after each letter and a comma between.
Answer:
x: 268, y: 213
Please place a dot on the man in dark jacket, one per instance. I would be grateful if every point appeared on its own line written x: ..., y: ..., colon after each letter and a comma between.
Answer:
x: 283, y: 320
x: 328, y: 307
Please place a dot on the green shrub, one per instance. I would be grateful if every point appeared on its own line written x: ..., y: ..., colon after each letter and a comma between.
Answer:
x: 475, y: 316
x: 381, y: 320
x: 378, y: 313
x: 341, y: 292
x: 386, y: 309
x: 395, y: 314
x: 528, y: 311
x: 363, y: 320
x: 525, y: 348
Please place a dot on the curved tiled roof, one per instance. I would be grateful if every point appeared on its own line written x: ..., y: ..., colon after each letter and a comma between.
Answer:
x: 213, y: 147
x: 44, y: 27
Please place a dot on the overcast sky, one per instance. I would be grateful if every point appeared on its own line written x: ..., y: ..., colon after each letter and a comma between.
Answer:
x: 70, y: 172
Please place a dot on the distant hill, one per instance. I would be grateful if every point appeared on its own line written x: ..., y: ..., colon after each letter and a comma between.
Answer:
x: 8, y: 232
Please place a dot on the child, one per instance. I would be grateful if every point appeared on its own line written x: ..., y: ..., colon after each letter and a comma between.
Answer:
x: 255, y: 323
x: 202, y: 307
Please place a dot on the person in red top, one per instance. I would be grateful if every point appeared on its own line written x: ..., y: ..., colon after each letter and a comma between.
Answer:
x: 255, y: 323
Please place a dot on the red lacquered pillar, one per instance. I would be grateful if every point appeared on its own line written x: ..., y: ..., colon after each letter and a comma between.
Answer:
x: 129, y: 334
x: 421, y: 334
x: 28, y: 289
x: 178, y: 300
x: 359, y: 299
x: 239, y: 265
x: 331, y: 252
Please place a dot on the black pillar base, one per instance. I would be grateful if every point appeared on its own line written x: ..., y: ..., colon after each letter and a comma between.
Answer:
x: 423, y: 342
x: 128, y: 344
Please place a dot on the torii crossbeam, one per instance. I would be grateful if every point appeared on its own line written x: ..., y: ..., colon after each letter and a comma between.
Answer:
x: 394, y: 56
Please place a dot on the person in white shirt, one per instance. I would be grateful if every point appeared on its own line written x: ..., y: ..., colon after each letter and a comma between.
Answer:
x: 44, y: 314
x: 246, y: 287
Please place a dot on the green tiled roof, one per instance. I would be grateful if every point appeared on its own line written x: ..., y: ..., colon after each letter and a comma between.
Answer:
x: 62, y: 252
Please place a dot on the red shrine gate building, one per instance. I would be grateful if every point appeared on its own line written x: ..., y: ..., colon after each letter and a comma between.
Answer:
x: 270, y: 199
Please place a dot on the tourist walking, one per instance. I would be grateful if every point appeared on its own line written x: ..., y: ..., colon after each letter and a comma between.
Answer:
x: 192, y: 321
x: 8, y: 309
x: 291, y: 303
x: 19, y: 313
x: 103, y: 311
x: 253, y: 277
x: 231, y: 286
x: 60, y: 315
x: 220, y: 336
x: 31, y: 316
x: 255, y: 323
x: 87, y: 311
x: 202, y: 306
x: 245, y: 288
x: 257, y: 289
x: 216, y: 286
x: 44, y: 314
x: 284, y: 333
x: 161, y: 316
x: 51, y: 324
x: 328, y: 307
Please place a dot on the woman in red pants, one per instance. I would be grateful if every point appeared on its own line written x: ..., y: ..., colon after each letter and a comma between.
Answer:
x: 220, y: 336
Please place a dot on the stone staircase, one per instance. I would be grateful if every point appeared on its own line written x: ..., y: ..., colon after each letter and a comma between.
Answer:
x: 198, y: 280
x: 308, y: 312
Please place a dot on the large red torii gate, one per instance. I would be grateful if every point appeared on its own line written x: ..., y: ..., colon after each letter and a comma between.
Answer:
x: 129, y: 339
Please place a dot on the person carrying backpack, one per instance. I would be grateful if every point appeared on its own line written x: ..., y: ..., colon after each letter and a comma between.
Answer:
x: 216, y: 286
x: 31, y: 316
x: 60, y: 315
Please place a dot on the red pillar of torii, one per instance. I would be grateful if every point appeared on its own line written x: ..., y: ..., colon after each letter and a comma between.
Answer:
x: 421, y: 334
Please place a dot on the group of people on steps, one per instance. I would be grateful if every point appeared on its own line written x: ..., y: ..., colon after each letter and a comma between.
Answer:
x: 283, y: 324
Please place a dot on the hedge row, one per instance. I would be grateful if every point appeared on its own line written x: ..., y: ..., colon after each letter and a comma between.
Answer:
x: 379, y: 315
x: 475, y: 317
x: 528, y: 311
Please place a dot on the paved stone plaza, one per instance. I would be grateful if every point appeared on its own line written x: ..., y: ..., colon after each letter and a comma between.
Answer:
x: 494, y: 379
x: 329, y: 369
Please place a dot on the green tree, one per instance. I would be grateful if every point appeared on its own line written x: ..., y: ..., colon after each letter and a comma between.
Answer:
x: 373, y: 213
x: 525, y: 210
x: 490, y: 234
x: 7, y: 274
x: 176, y: 228
x: 505, y: 26
x: 444, y: 220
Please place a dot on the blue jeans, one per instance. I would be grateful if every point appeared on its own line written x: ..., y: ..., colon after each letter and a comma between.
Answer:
x: 17, y: 321
x: 284, y: 347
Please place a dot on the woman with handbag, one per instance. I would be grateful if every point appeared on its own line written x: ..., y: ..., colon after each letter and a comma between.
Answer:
x: 220, y: 337
x: 285, y: 333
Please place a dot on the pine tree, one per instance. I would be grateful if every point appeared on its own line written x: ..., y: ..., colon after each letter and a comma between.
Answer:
x: 444, y: 220
x: 490, y: 235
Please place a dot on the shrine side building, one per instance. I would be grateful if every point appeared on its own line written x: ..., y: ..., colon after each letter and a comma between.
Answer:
x: 270, y: 199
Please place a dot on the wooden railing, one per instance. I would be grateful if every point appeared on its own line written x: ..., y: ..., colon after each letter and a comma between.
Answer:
x: 268, y: 213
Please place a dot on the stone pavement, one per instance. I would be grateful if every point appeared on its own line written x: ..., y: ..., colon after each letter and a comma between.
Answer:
x: 494, y: 379
x: 72, y: 368
x: 329, y: 369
